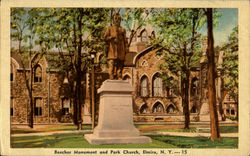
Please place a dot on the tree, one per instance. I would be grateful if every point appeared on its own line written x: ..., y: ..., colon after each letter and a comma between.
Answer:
x: 134, y: 19
x: 179, y: 40
x: 22, y: 32
x: 75, y: 33
x: 211, y: 75
x: 230, y: 66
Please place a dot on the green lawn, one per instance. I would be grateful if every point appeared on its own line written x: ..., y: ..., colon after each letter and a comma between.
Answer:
x: 223, y: 129
x: 49, y: 129
x: 229, y: 129
x: 78, y: 141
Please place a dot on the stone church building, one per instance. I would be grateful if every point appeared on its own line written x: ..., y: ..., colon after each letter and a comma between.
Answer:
x: 151, y: 101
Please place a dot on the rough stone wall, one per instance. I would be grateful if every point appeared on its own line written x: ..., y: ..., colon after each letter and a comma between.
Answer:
x: 148, y: 65
x: 20, y: 99
x: 50, y: 92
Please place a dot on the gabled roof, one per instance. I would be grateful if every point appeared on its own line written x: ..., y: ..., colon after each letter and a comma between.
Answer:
x: 143, y: 52
x: 17, y: 57
x: 129, y: 59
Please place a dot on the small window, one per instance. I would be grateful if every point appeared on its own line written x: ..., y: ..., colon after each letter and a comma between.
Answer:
x: 38, y: 107
x: 232, y: 112
x: 194, y: 109
x: 159, y: 119
x: 227, y: 111
x: 11, y: 77
x: 38, y: 74
x: 12, y: 106
x: 65, y: 106
x: 194, y: 86
x: 11, y: 73
x: 144, y: 63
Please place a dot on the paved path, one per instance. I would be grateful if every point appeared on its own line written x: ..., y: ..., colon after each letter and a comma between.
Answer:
x: 189, y: 134
x: 185, y: 134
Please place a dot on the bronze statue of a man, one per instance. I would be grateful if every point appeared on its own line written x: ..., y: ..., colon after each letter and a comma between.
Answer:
x: 115, y: 36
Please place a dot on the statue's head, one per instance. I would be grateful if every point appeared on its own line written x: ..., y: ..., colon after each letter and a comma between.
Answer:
x: 117, y: 19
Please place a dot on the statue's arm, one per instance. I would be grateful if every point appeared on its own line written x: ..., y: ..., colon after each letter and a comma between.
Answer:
x: 107, y: 34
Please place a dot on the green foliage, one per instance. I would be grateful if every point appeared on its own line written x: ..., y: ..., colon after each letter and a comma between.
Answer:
x: 230, y: 65
x: 23, y: 24
x: 135, y: 17
x: 179, y: 39
x: 233, y: 118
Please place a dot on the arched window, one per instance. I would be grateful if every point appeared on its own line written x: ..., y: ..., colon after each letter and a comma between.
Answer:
x: 38, y: 74
x: 158, y: 108
x: 65, y: 106
x: 144, y: 109
x: 144, y: 36
x: 157, y: 86
x: 193, y: 109
x: 170, y: 109
x: 128, y: 78
x: 11, y: 73
x: 144, y: 86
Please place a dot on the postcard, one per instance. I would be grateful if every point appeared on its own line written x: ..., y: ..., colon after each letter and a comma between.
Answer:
x: 125, y: 78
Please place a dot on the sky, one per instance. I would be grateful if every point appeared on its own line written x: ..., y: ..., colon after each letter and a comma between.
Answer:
x: 227, y: 21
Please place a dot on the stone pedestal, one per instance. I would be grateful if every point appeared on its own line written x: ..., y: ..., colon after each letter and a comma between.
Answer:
x: 87, y: 115
x: 115, y: 123
x: 204, y: 112
x: 205, y: 115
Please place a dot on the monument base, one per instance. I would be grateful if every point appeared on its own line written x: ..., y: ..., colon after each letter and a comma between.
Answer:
x: 115, y: 122
x: 93, y: 139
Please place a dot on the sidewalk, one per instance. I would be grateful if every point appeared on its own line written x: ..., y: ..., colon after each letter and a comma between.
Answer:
x: 189, y: 134
x: 185, y: 134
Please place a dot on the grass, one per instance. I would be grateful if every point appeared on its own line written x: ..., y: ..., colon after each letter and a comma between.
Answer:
x: 223, y: 129
x: 78, y: 141
x: 50, y: 129
x: 229, y: 129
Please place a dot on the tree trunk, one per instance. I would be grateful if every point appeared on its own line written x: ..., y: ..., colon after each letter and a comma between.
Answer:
x: 31, y: 100
x: 74, y: 106
x: 215, y: 133
x: 79, y: 71
x: 186, y: 101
